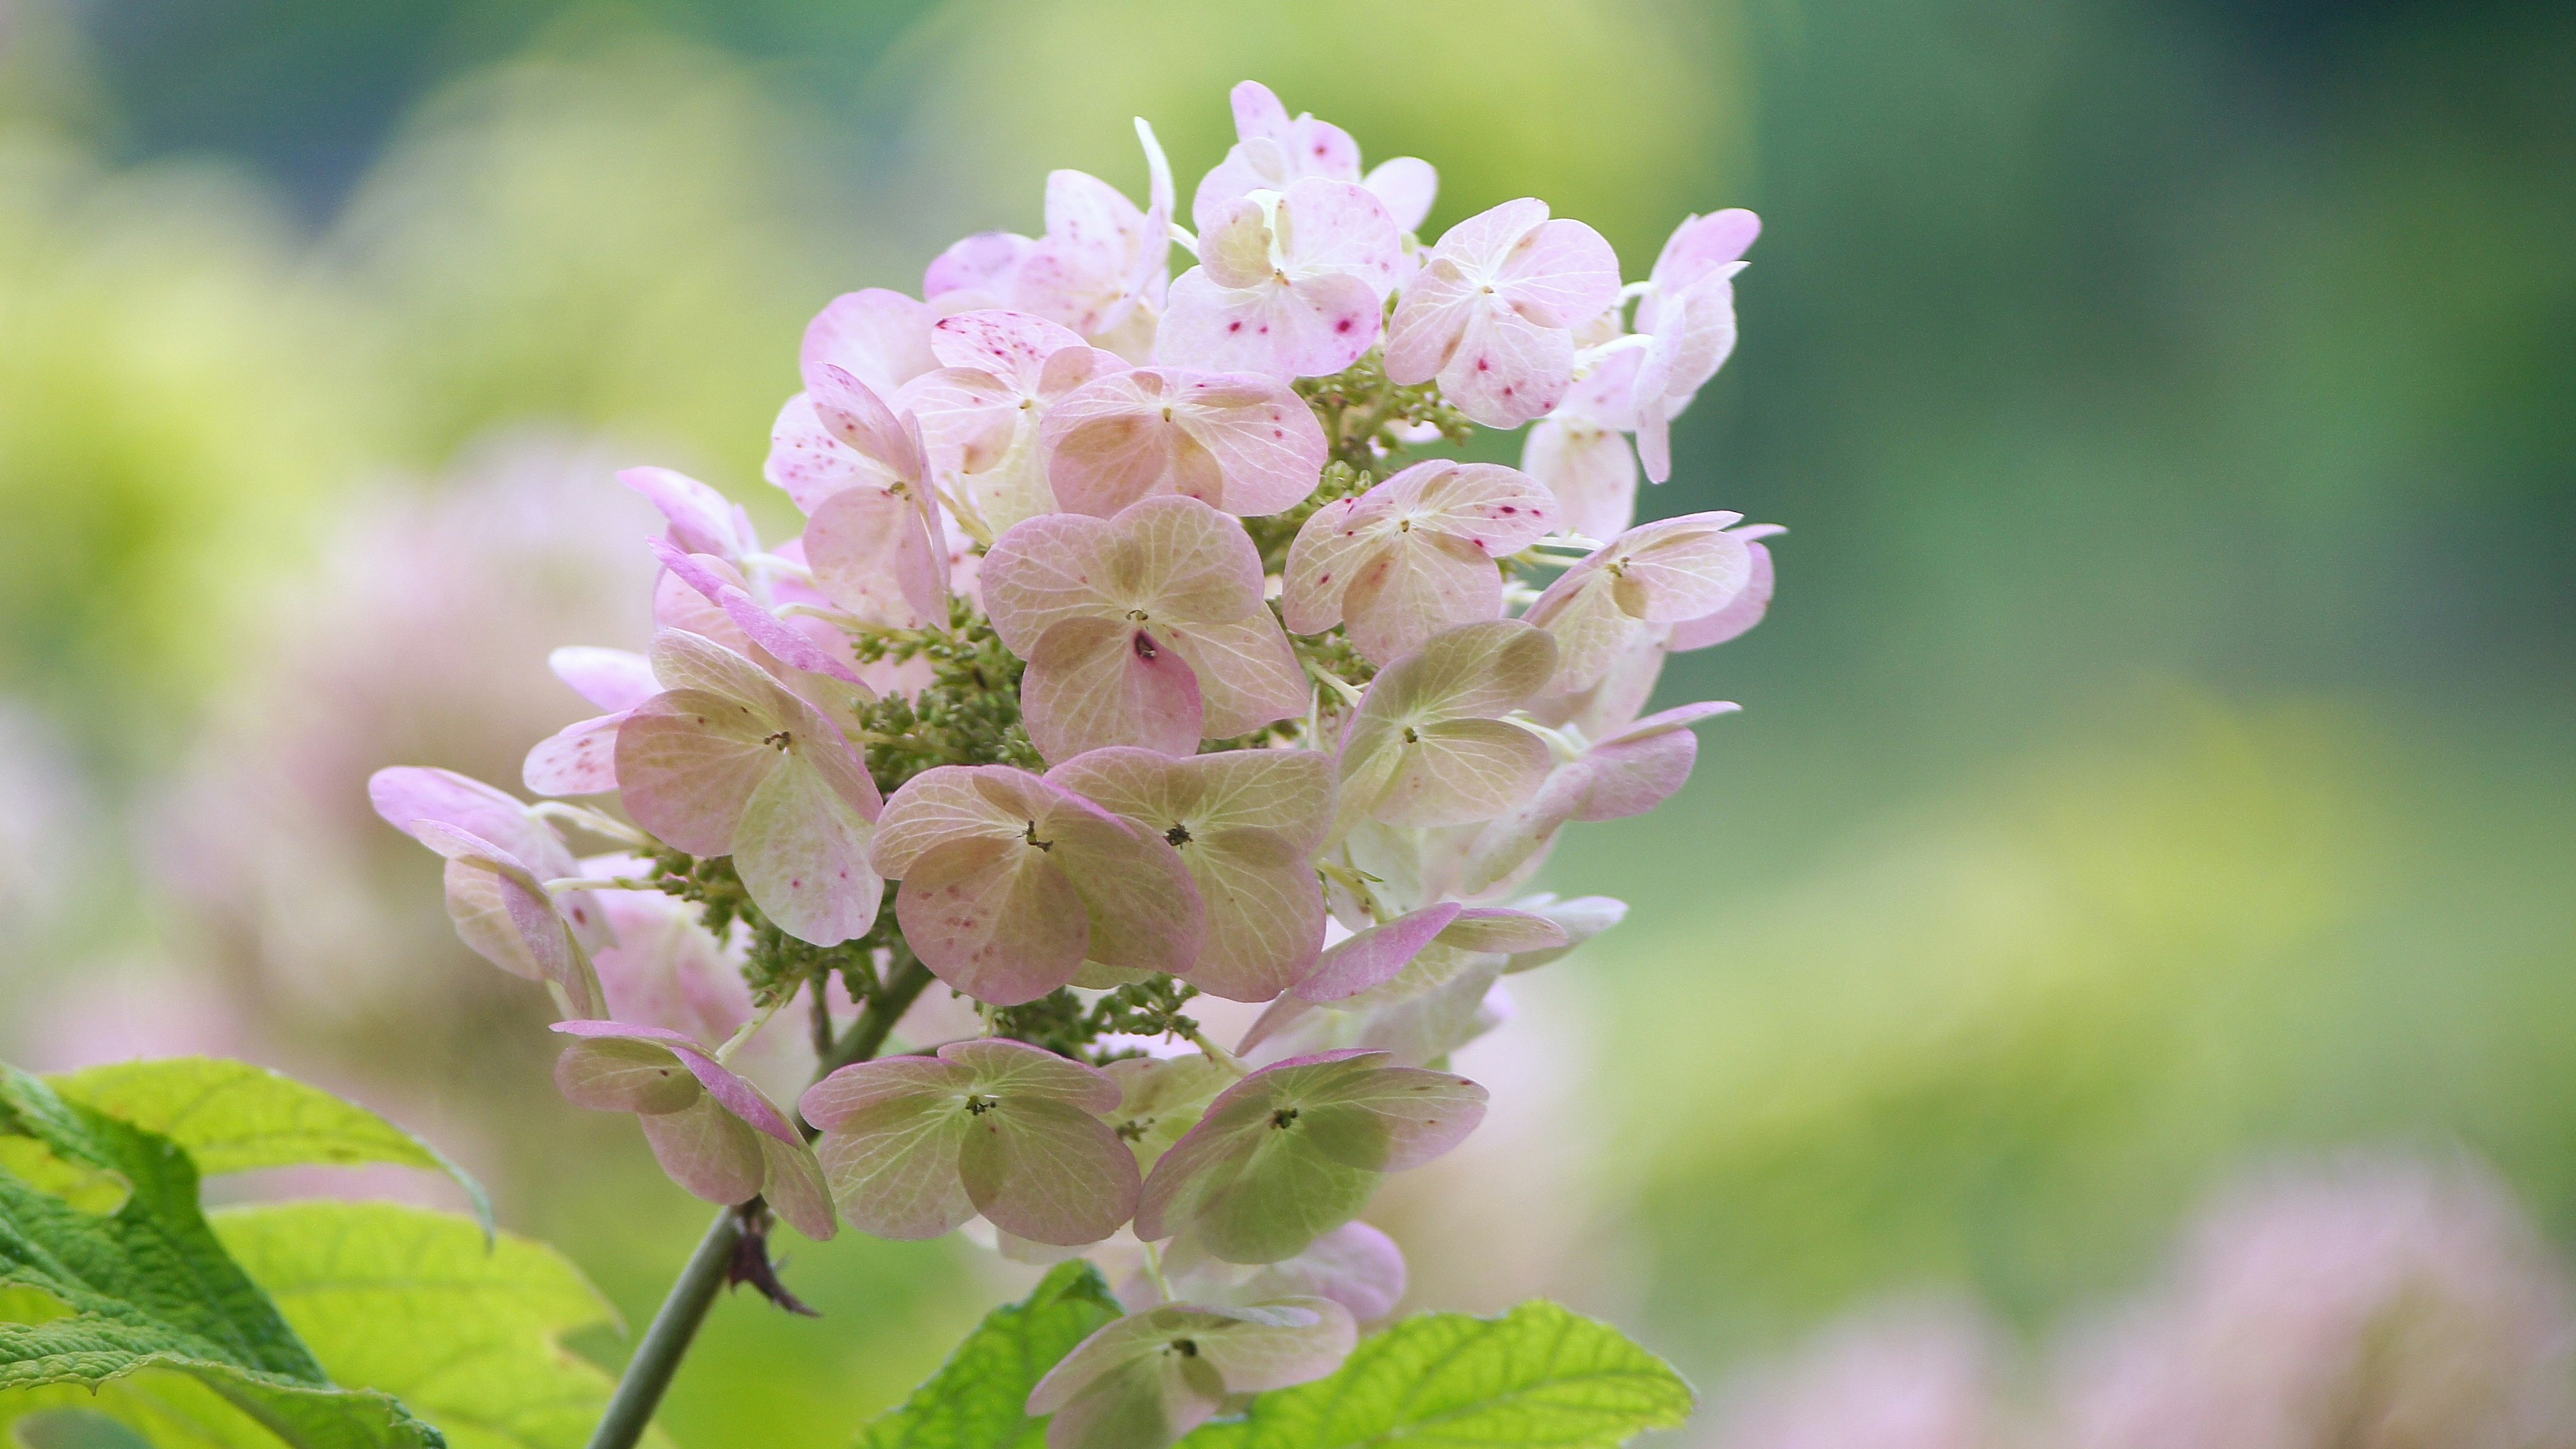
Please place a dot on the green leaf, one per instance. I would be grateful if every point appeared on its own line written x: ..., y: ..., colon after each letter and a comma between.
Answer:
x: 148, y: 1287
x: 415, y: 1303
x: 1538, y: 1377
x: 978, y: 1399
x: 235, y: 1117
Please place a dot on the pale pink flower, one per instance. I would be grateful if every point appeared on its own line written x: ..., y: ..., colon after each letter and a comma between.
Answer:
x: 729, y: 761
x: 1146, y: 628
x: 1688, y: 308
x: 715, y: 1133
x: 1428, y: 744
x: 1414, y: 555
x: 1273, y: 153
x: 1657, y: 574
x: 1247, y: 824
x: 1580, y: 450
x: 1151, y: 1377
x: 500, y: 859
x: 581, y: 758
x: 1010, y: 883
x: 1415, y: 987
x: 1294, y: 1151
x: 1238, y: 441
x: 1354, y: 1265
x: 880, y: 337
x: 1492, y: 312
x: 980, y: 411
x: 1101, y: 269
x: 1288, y: 286
x: 1629, y: 773
x: 914, y: 1146
x: 874, y: 542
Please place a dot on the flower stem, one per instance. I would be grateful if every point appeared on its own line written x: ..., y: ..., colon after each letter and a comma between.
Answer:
x: 657, y: 1359
x: 640, y: 1389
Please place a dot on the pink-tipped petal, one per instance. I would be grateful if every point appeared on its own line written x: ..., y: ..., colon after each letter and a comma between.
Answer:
x: 702, y: 520
x: 1374, y: 956
x: 880, y: 337
x: 612, y: 679
x: 579, y: 759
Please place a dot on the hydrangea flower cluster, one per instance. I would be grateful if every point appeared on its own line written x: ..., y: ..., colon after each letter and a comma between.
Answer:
x: 1126, y: 657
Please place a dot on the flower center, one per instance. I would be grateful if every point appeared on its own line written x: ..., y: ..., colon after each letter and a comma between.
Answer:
x: 780, y: 741
x: 1145, y: 646
x: 1031, y: 836
x: 1178, y: 835
x: 1411, y: 737
x: 1283, y: 1119
x: 979, y: 1104
x: 1185, y: 1347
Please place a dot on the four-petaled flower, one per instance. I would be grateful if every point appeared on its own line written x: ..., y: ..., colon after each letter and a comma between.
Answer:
x: 1294, y: 1150
x: 1287, y: 285
x: 1688, y: 308
x: 981, y: 409
x: 1151, y: 1377
x: 1146, y: 628
x: 1429, y: 745
x: 1247, y: 824
x: 715, y: 1133
x: 1492, y: 312
x: 1272, y: 153
x: 1238, y: 441
x: 1660, y: 573
x: 729, y: 761
x: 914, y: 1146
x: 1011, y: 882
x: 1413, y: 555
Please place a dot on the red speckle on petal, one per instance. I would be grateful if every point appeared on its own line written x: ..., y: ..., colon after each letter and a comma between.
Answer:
x: 1342, y: 326
x: 1484, y: 364
x: 1234, y: 327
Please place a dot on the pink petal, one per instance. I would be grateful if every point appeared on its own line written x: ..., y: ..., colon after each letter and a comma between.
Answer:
x: 833, y: 1102
x: 1145, y: 910
x: 1407, y: 185
x: 739, y: 1097
x: 613, y: 679
x: 1239, y: 441
x: 712, y: 578
x: 626, y: 1076
x: 1681, y: 568
x: 1591, y: 471
x: 994, y: 919
x: 809, y: 460
x: 892, y: 1164
x: 702, y: 520
x: 1174, y: 559
x: 1416, y: 585
x: 1354, y: 1265
x: 687, y: 764
x: 984, y: 262
x: 1011, y: 346
x: 1507, y: 369
x: 1284, y: 1343
x: 1096, y: 682
x: 792, y: 1182
x: 1499, y: 931
x: 1004, y: 1065
x: 1460, y: 772
x: 709, y: 1151
x: 406, y: 794
x: 1048, y: 1171
x: 860, y: 419
x: 1701, y: 245
x: 950, y: 801
x: 1328, y: 548
x: 801, y: 848
x: 1279, y: 328
x: 1559, y: 274
x: 871, y: 555
x: 968, y: 417
x: 579, y: 759
x: 1247, y: 675
x: 1374, y: 956
x: 879, y: 337
x: 1738, y: 615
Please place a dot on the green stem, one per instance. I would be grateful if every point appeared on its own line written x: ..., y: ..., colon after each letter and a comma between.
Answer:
x: 640, y: 1388
x: 657, y: 1359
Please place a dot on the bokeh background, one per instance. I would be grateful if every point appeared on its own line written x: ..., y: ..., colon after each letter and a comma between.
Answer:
x: 2160, y: 764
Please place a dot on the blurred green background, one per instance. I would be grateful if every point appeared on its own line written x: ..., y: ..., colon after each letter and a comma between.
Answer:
x: 2162, y: 753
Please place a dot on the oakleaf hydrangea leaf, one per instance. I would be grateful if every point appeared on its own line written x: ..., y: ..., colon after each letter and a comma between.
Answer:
x: 1538, y: 1377
x: 149, y: 1288
x: 916, y: 1145
x: 715, y: 1133
x: 978, y: 1399
x: 1147, y: 1379
x: 1428, y: 745
x: 1294, y: 1151
x: 1413, y: 555
x: 236, y: 1117
x: 420, y: 1305
x: 1146, y: 628
x: 1010, y: 883
x: 1247, y: 824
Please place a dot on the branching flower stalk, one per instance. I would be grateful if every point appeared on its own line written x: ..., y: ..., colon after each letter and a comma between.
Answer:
x: 1130, y: 659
